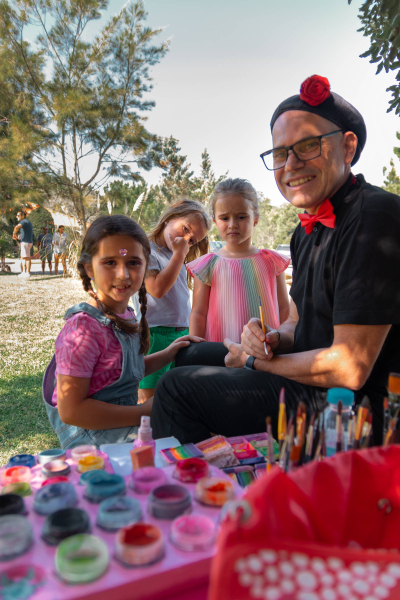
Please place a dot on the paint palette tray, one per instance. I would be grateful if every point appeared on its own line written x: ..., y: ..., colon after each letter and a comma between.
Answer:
x: 244, y: 451
x: 173, y: 455
x: 244, y: 476
x: 179, y: 575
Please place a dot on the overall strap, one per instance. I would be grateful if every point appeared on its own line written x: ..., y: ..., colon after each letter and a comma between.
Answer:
x: 84, y: 307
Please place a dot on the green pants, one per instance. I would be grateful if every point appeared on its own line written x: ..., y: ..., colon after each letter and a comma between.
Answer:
x: 160, y: 338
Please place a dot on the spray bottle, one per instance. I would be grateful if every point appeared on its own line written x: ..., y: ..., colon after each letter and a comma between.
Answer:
x: 145, y: 435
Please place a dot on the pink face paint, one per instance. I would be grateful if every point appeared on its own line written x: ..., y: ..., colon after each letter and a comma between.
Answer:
x: 146, y: 479
x: 191, y: 470
x: 15, y: 475
x: 123, y: 252
x: 193, y: 532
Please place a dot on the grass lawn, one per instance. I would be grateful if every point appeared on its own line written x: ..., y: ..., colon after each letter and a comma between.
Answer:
x: 31, y: 316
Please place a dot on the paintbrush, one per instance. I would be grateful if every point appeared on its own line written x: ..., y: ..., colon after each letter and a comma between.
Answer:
x: 282, y: 424
x: 309, y: 442
x: 362, y: 414
x: 288, y: 462
x: 366, y: 433
x: 390, y: 432
x: 262, y: 322
x: 339, y: 427
x: 285, y: 446
x: 270, y: 441
x: 350, y: 435
x: 316, y: 433
x: 300, y: 434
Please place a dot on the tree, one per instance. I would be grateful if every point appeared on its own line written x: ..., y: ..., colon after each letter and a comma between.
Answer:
x: 381, y: 23
x: 6, y: 247
x: 392, y: 181
x: 90, y: 93
x: 276, y: 224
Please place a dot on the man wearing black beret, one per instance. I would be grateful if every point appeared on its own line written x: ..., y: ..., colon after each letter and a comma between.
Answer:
x: 344, y: 324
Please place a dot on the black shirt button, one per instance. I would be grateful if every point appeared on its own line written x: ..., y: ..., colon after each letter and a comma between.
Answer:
x: 315, y: 229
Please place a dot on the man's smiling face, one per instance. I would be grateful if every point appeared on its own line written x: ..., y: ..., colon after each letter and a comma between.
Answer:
x: 307, y: 184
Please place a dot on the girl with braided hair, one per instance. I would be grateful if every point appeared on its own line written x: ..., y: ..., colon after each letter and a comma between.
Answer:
x: 90, y: 387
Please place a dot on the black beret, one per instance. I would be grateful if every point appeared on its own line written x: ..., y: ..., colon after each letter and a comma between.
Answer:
x: 335, y: 109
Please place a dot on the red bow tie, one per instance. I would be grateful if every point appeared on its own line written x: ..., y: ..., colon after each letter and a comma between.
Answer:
x: 325, y: 215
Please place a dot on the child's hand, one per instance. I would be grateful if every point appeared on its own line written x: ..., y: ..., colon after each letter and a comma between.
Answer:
x: 181, y: 342
x: 179, y: 245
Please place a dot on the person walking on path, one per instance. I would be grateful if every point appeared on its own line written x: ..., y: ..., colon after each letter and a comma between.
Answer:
x: 60, y: 240
x: 343, y: 328
x: 26, y: 235
x: 45, y: 244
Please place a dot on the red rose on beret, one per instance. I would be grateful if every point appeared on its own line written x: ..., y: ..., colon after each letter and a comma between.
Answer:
x: 315, y: 89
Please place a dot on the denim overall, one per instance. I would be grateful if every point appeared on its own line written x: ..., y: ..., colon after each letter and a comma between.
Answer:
x: 124, y: 391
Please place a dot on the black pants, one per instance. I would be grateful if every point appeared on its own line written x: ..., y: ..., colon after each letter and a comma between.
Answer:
x: 201, y: 396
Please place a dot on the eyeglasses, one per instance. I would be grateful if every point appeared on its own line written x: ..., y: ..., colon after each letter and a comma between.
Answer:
x: 303, y: 150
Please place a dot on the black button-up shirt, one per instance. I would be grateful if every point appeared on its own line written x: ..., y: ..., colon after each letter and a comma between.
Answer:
x: 351, y: 274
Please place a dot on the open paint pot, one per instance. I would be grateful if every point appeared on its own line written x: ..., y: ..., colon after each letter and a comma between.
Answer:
x: 104, y: 485
x: 81, y: 558
x: 90, y: 463
x: 139, y: 545
x: 118, y: 512
x: 146, y: 479
x: 83, y: 451
x: 50, y: 455
x: 54, y: 497
x: 15, y: 475
x: 56, y: 468
x: 16, y: 536
x: 12, y: 504
x: 214, y: 491
x: 22, y: 488
x: 193, y: 532
x: 88, y: 476
x: 22, y: 460
x: 59, y: 479
x: 64, y: 523
x: 191, y: 470
x: 169, y: 501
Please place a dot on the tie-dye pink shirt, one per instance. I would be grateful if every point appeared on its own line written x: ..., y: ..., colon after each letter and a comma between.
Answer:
x: 84, y: 348
x: 236, y: 284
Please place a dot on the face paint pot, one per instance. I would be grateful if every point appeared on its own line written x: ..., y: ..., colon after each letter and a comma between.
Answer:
x: 59, y: 479
x: 12, y: 504
x: 118, y: 512
x: 50, y: 455
x: 83, y: 451
x: 214, y: 491
x: 64, y: 523
x: 191, y: 470
x: 169, y: 501
x: 54, y: 497
x: 56, y: 468
x: 193, y: 532
x: 81, y: 558
x: 22, y: 489
x: 90, y: 463
x: 16, y: 536
x: 22, y: 460
x: 139, y: 545
x: 88, y: 476
x: 104, y: 486
x: 146, y: 479
x: 15, y: 475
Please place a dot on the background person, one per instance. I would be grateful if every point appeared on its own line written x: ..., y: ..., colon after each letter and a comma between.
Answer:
x: 343, y: 328
x: 178, y: 237
x: 60, y: 241
x: 229, y: 283
x: 26, y: 236
x: 45, y: 244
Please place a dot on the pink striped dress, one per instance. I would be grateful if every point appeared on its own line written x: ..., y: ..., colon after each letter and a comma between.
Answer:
x: 236, y: 284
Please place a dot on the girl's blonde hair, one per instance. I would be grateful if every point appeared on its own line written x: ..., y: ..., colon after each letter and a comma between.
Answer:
x: 181, y: 209
x: 235, y: 187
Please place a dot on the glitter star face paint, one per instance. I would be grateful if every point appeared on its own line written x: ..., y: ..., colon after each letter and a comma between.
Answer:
x: 123, y: 252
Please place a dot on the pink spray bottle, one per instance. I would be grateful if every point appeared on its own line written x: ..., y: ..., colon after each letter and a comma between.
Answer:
x: 145, y: 435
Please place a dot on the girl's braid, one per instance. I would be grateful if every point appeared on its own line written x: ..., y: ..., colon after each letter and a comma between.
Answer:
x: 144, y: 326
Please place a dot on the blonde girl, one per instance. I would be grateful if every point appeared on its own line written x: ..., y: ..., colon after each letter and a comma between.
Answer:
x: 179, y: 237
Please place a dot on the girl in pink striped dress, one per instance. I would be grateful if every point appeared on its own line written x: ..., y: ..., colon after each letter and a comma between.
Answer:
x: 227, y: 283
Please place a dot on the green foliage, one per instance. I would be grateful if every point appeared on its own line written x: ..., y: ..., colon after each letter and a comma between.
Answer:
x: 276, y: 224
x: 392, y: 181
x: 6, y: 244
x: 39, y: 218
x: 381, y: 23
x: 89, y: 95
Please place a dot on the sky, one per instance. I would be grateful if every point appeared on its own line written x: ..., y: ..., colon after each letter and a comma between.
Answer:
x: 232, y: 62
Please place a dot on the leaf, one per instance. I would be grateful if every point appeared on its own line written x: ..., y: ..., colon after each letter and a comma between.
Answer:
x: 379, y: 69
